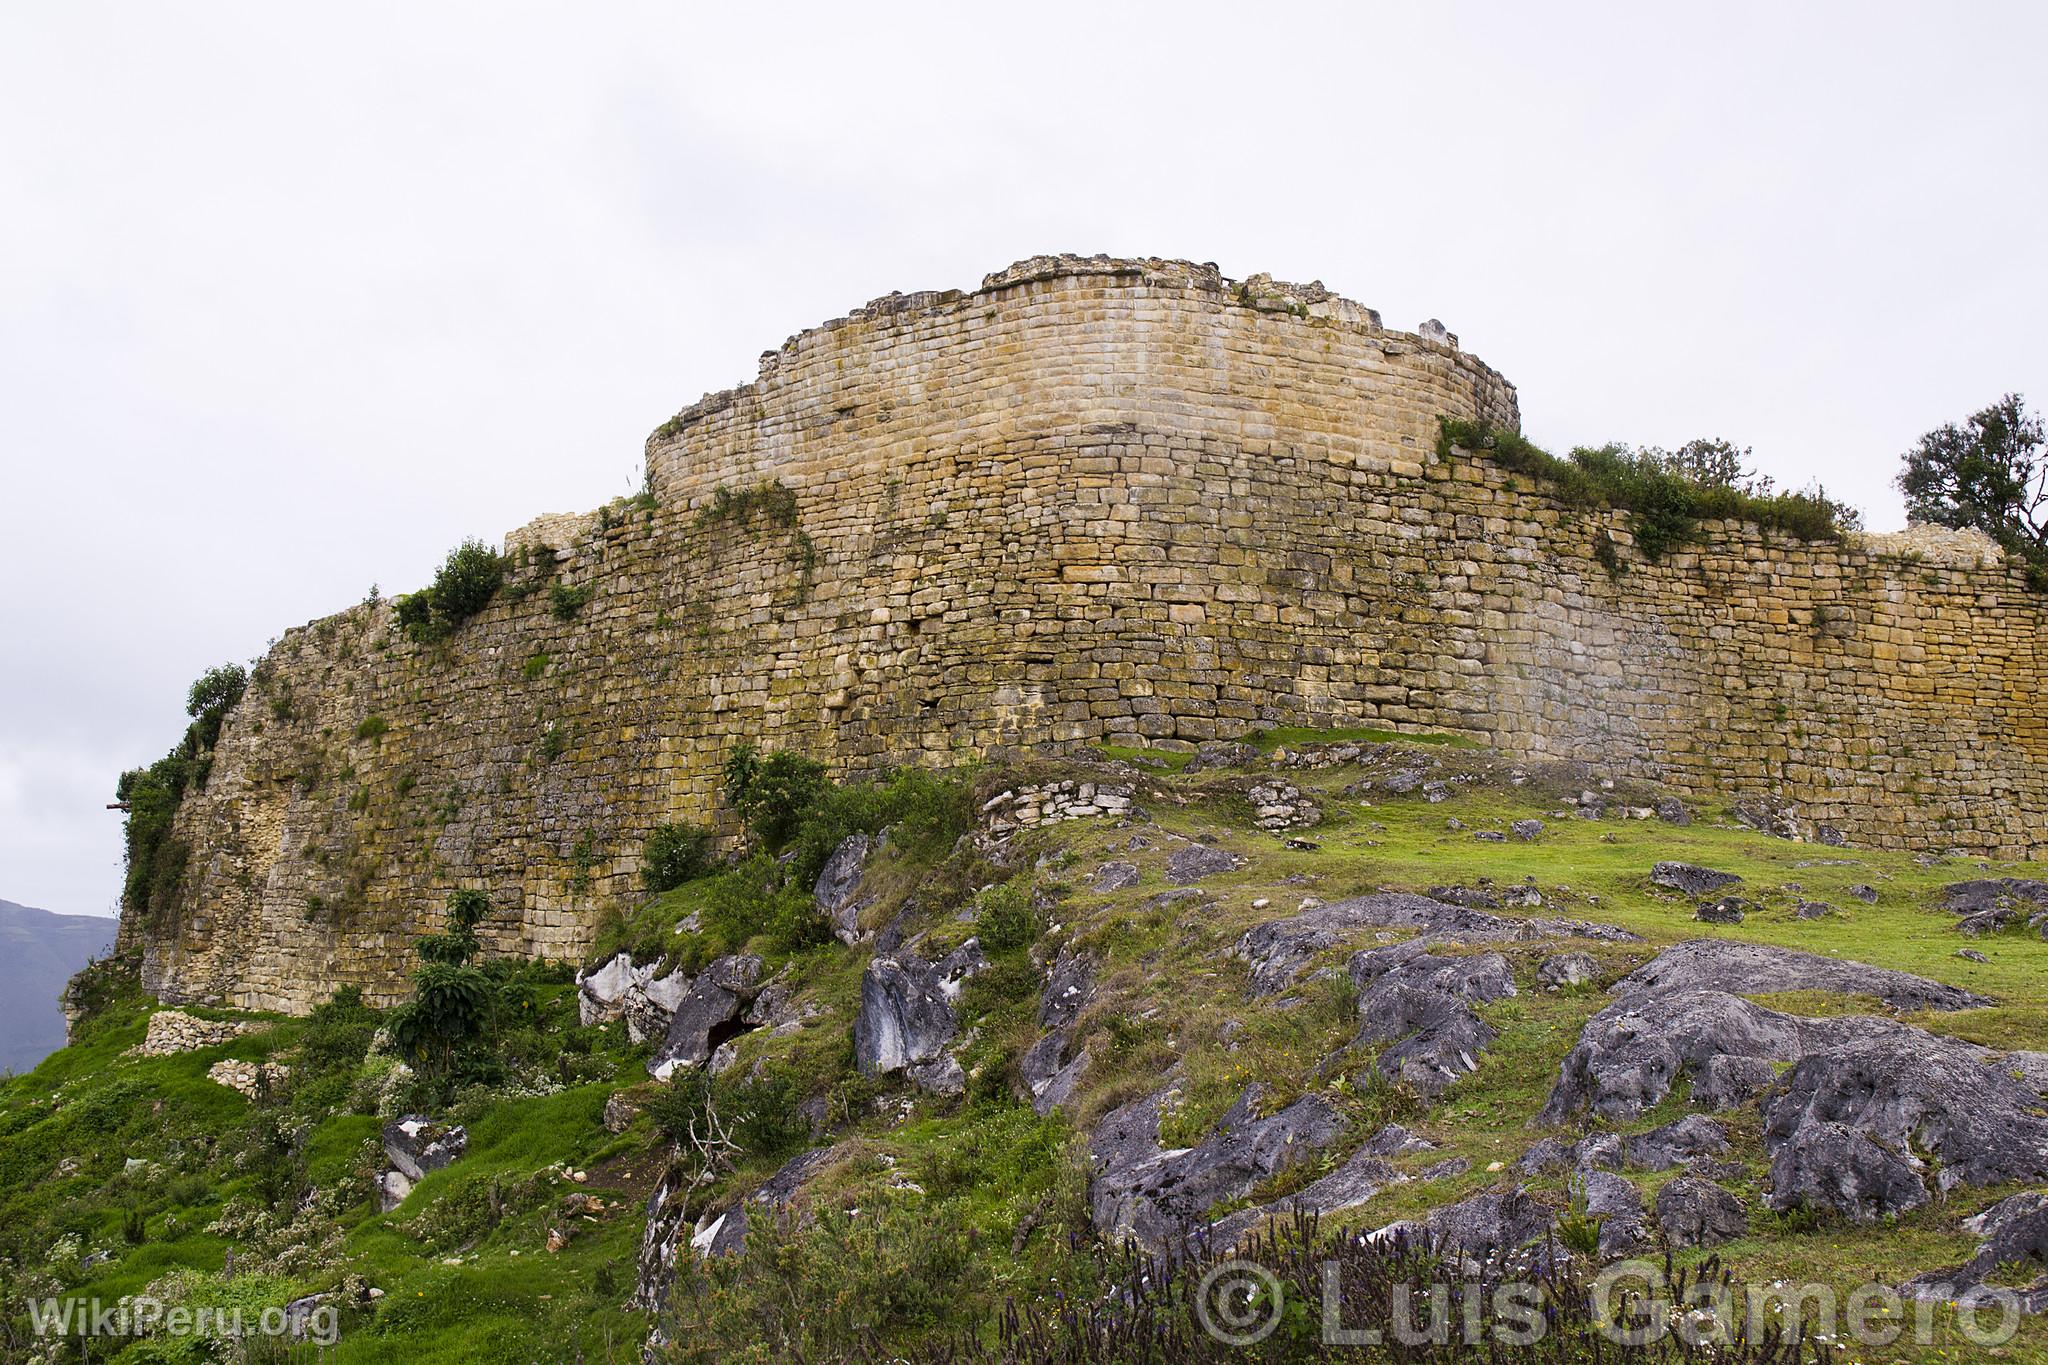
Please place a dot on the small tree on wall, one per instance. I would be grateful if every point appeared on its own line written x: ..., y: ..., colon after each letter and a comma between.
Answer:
x: 1986, y: 473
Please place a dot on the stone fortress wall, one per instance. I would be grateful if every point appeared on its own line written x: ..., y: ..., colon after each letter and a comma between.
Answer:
x: 1093, y: 500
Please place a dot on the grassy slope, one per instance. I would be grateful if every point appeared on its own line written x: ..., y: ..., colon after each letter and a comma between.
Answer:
x: 1585, y: 869
x: 985, y: 1167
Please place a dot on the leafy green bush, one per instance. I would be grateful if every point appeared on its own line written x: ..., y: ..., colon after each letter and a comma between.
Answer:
x: 373, y: 727
x: 772, y: 793
x: 1664, y: 498
x: 809, y: 1290
x: 1004, y: 918
x: 212, y: 697
x: 675, y: 853
x: 452, y: 1003
x: 463, y: 586
x: 752, y: 899
x: 1987, y: 473
x: 338, y: 1033
x: 758, y: 1114
x: 925, y: 812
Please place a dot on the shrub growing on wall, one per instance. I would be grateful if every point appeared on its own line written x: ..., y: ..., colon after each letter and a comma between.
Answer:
x: 156, y: 860
x: 463, y: 586
x: 772, y: 793
x: 1667, y: 495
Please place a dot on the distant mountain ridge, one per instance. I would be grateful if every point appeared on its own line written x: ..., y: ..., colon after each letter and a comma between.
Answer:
x: 39, y: 951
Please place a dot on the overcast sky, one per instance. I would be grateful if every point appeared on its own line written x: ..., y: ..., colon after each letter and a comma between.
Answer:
x: 293, y: 298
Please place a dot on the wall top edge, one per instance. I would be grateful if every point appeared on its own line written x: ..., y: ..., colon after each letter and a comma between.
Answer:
x: 1260, y: 293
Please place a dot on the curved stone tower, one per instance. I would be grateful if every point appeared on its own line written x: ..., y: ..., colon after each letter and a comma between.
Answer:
x: 1094, y: 500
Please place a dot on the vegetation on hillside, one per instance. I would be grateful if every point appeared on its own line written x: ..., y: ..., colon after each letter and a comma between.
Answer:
x: 941, y: 1228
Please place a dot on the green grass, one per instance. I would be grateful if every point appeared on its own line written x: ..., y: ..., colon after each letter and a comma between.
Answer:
x: 1160, y: 760
x: 1292, y: 736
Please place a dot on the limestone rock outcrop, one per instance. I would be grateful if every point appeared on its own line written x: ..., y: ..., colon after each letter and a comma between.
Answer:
x: 906, y: 1016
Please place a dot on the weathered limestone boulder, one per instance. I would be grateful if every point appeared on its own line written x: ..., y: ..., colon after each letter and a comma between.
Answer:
x: 1190, y: 863
x: 707, y: 1014
x: 1863, y: 1096
x: 1418, y: 1002
x: 1436, y: 1039
x: 1624, y: 1221
x: 906, y: 1016
x: 2014, y: 1234
x: 1629, y: 1055
x: 1113, y: 876
x: 619, y: 1112
x: 1068, y: 989
x: 416, y: 1144
x: 619, y: 989
x: 668, y: 1229
x: 1727, y: 910
x: 1395, y: 1140
x: 1691, y: 879
x: 651, y: 1006
x: 1350, y: 1185
x: 838, y: 889
x: 601, y: 993
x: 1049, y: 1067
x: 726, y: 1234
x: 1476, y: 976
x: 1280, y: 950
x: 1050, y: 1072
x: 1157, y: 1197
x: 1755, y: 968
x: 1699, y: 1213
x: 391, y: 1188
x: 1526, y: 830
x: 1832, y: 1166
x: 1674, y: 1144
x: 1490, y: 1224
x: 1992, y: 903
x: 1848, y: 1122
x: 1563, y: 970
